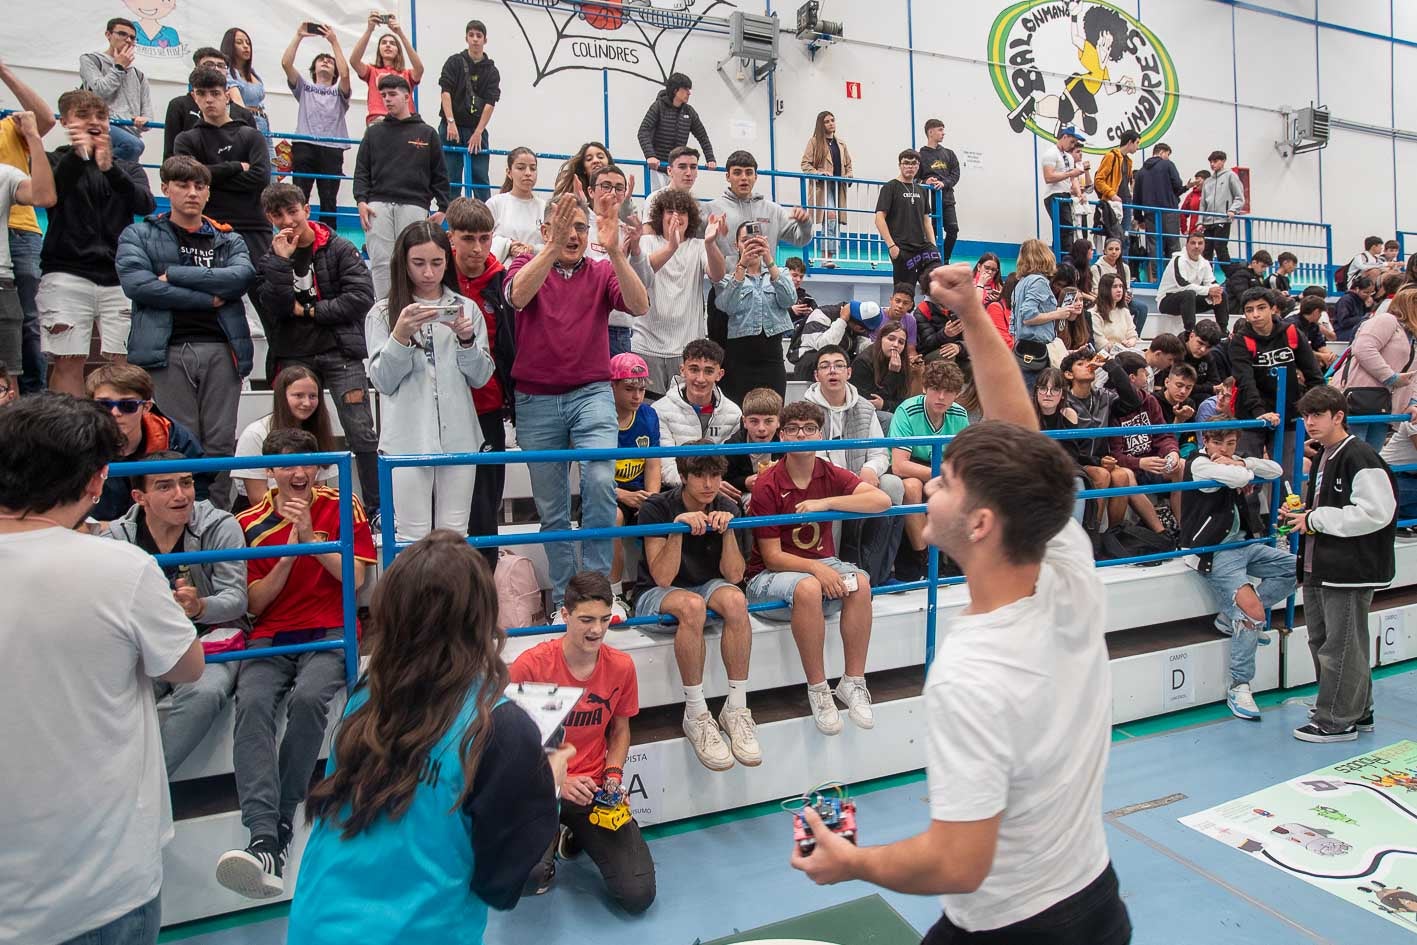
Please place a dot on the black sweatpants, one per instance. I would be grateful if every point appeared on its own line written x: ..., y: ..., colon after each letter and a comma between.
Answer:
x: 307, y: 158
x: 1187, y: 304
x: 755, y: 361
x: 622, y: 856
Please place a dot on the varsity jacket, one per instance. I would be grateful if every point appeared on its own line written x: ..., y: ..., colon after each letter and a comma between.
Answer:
x: 679, y: 424
x: 855, y: 419
x: 222, y: 584
x: 343, y: 289
x: 401, y: 162
x: 1353, y: 519
x: 1255, y: 388
x: 666, y: 127
x: 1207, y: 514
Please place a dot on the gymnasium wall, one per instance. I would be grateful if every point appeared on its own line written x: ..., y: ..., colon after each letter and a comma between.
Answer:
x: 1217, y: 73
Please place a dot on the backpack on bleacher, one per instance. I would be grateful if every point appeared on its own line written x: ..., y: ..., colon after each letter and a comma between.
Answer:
x: 519, y: 602
x: 1130, y: 541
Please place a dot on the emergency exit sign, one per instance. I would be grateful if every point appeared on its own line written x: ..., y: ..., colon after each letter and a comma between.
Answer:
x: 853, y: 90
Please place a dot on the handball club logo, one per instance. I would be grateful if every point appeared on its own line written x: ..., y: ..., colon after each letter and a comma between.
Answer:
x: 1084, y: 63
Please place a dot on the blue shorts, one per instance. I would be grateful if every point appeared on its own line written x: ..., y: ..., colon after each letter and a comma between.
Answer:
x: 781, y: 585
x: 649, y: 602
x: 1145, y: 478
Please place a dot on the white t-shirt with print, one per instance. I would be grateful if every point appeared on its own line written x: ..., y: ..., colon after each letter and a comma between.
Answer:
x: 1019, y: 712
x: 85, y: 810
x: 1059, y: 162
x: 1398, y: 450
x: 518, y: 219
x: 676, y: 313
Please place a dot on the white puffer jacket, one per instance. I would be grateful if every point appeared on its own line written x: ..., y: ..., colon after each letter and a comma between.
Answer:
x: 679, y: 423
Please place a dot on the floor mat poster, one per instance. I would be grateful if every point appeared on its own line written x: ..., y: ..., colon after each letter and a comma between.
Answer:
x: 1349, y: 829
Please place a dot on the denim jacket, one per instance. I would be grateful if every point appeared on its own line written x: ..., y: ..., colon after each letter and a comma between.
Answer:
x: 1033, y: 296
x: 757, y: 305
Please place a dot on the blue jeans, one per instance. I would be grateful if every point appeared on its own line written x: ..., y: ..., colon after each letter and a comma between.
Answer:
x: 139, y: 927
x: 1231, y: 570
x: 1406, y: 495
x: 127, y: 145
x: 583, y: 419
x: 453, y: 155
x: 619, y: 339
x: 24, y: 254
x: 1374, y: 434
x: 1139, y: 314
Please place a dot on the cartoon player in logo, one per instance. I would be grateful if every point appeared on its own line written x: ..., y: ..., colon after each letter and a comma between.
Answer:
x: 148, y: 14
x: 1394, y: 900
x: 1100, y: 38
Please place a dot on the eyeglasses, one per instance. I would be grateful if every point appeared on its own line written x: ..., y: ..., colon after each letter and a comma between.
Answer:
x: 832, y: 367
x: 123, y: 34
x: 611, y: 188
x: 801, y: 429
x: 1049, y: 392
x: 5, y: 390
x: 126, y: 405
x: 580, y: 229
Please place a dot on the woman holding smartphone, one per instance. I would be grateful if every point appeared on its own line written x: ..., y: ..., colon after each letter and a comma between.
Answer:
x: 427, y: 349
x: 438, y: 798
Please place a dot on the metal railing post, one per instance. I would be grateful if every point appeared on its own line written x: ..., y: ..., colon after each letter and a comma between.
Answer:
x: 386, y: 512
x: 932, y: 560
x: 1328, y: 256
x: 466, y: 186
x: 1281, y: 403
x: 1300, y: 435
x: 348, y: 605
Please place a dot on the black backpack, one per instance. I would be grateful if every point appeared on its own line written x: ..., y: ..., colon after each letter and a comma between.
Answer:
x: 1128, y: 541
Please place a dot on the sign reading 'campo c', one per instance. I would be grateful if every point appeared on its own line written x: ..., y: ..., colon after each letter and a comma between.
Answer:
x: 1083, y: 63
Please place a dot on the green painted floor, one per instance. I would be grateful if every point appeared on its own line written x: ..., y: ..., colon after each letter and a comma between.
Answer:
x: 868, y: 919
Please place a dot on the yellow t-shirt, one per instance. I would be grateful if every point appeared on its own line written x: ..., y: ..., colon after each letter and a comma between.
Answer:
x: 14, y: 152
x: 1095, y: 72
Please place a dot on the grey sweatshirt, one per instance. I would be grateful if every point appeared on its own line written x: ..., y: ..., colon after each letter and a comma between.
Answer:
x: 125, y: 90
x: 779, y: 223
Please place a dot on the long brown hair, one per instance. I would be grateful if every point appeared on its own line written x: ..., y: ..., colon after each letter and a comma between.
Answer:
x: 397, y: 65
x: 283, y: 419
x: 247, y: 72
x: 512, y: 156
x: 400, y: 288
x: 433, y: 627
x: 817, y: 150
x: 574, y: 170
x: 880, y: 361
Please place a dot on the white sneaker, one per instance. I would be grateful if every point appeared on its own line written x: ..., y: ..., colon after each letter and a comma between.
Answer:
x: 708, y: 743
x: 619, y: 613
x: 858, y: 703
x: 824, y: 711
x: 1242, y: 703
x: 742, y: 734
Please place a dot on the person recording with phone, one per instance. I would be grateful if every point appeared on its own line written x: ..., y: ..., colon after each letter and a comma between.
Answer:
x: 459, y: 815
x: 323, y: 101
x: 427, y: 348
x: 389, y: 55
x: 757, y: 297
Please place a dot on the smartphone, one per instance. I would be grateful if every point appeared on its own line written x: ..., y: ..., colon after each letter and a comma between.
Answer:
x: 753, y: 228
x: 1069, y: 297
x: 447, y: 314
x: 314, y: 29
x: 384, y: 18
x: 849, y: 580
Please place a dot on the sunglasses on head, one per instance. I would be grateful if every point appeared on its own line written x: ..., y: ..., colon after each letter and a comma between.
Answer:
x: 126, y: 405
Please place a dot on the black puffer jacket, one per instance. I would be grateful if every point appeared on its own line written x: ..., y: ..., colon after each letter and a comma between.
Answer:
x: 665, y: 128
x: 344, y: 288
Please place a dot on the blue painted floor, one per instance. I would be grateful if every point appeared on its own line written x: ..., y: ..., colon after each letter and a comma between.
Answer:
x: 1180, y: 886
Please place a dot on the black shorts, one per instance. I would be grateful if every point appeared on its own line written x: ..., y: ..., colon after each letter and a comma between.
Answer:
x: 1145, y: 478
x: 1094, y: 915
x: 631, y: 515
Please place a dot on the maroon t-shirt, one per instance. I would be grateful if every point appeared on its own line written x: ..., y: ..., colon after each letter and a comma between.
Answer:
x: 774, y: 493
x: 563, y: 334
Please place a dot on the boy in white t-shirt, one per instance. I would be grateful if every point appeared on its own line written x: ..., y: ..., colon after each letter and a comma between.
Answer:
x: 1016, y: 749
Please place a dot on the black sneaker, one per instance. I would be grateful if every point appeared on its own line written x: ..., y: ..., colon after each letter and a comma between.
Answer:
x: 285, y: 832
x: 1168, y: 520
x: 566, y: 846
x: 254, y: 872
x: 1365, y: 724
x: 546, y: 882
x: 1312, y: 733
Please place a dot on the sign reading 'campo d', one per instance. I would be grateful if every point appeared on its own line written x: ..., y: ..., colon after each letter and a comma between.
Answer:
x: 1083, y: 63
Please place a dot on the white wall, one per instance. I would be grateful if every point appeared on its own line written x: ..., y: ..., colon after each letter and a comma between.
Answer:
x: 1236, y: 67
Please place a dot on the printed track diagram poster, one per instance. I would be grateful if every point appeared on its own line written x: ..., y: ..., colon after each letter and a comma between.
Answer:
x: 1350, y: 829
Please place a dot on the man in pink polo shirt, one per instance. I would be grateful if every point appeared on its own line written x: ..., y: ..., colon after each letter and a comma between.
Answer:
x: 562, y: 369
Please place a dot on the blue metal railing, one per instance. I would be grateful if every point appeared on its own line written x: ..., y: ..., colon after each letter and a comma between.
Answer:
x: 348, y: 642
x: 936, y: 444
x: 868, y: 249
x: 1309, y: 240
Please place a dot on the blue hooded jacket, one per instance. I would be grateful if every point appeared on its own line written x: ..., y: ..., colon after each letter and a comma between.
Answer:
x: 148, y: 250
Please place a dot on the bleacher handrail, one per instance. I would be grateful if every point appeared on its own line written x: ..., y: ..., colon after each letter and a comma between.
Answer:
x: 342, y: 462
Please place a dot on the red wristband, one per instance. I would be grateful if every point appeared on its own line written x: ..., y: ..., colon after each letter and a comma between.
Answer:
x: 618, y: 773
